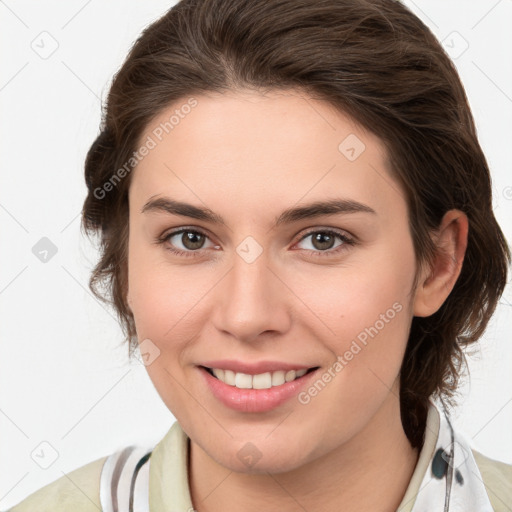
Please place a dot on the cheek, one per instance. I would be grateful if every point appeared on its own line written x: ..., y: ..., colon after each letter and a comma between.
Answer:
x: 163, y: 307
x: 368, y: 315
x: 168, y: 304
x: 363, y: 312
x: 156, y: 299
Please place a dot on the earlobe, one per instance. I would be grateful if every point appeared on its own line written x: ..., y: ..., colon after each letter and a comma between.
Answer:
x: 437, y: 282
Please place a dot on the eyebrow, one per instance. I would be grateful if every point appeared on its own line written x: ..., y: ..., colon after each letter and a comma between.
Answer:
x: 294, y: 214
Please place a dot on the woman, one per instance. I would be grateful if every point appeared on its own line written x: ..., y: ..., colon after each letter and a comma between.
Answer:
x: 297, y: 231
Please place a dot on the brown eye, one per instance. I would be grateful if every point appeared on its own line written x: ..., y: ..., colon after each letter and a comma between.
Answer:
x: 324, y: 240
x: 185, y: 242
x: 192, y: 240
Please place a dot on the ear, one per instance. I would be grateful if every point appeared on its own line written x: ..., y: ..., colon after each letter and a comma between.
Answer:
x: 436, y: 282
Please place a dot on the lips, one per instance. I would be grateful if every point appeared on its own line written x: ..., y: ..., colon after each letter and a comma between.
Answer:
x: 253, y: 399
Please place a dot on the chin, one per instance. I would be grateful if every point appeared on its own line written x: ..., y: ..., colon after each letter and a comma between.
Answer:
x: 249, y: 460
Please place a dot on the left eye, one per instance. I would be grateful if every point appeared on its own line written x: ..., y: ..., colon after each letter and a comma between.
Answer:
x: 324, y: 240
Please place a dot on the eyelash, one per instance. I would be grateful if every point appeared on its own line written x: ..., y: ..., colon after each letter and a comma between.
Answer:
x: 321, y: 254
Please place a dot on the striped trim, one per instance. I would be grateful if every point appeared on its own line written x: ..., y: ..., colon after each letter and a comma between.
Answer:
x: 143, y: 481
x: 124, y: 481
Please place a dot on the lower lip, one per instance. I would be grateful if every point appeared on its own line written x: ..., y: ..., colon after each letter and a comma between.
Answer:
x: 255, y: 400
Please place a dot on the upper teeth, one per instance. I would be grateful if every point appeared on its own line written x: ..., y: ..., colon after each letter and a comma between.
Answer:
x: 260, y: 381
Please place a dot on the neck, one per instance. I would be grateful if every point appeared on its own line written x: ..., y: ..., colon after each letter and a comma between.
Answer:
x: 370, y: 472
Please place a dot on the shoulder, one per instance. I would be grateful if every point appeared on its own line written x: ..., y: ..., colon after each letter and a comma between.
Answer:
x: 497, y: 478
x: 77, y: 490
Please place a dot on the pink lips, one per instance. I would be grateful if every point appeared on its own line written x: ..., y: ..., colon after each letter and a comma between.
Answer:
x: 254, y: 400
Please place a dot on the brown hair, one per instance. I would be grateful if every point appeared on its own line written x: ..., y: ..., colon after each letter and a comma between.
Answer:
x: 373, y: 60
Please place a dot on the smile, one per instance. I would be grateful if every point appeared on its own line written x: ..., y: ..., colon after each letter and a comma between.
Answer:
x: 265, y: 380
x: 255, y: 393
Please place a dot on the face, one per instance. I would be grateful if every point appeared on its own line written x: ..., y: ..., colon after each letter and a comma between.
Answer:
x: 245, y: 286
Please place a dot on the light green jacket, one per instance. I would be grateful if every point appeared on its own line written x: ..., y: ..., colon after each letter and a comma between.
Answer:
x: 78, y: 491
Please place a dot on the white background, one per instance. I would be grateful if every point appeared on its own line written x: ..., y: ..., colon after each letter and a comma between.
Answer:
x: 64, y: 372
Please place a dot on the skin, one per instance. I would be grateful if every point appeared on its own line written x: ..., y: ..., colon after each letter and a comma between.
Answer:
x: 248, y: 156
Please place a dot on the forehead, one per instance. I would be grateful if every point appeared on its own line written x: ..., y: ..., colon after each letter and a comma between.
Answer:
x: 279, y: 145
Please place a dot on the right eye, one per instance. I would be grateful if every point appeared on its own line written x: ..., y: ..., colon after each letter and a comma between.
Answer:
x: 191, y: 240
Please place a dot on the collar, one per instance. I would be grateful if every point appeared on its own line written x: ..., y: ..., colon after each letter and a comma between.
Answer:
x: 446, y: 477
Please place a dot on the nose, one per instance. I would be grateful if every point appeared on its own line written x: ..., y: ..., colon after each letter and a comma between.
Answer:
x: 252, y: 299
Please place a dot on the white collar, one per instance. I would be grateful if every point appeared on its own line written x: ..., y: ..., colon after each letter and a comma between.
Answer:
x: 452, y: 481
